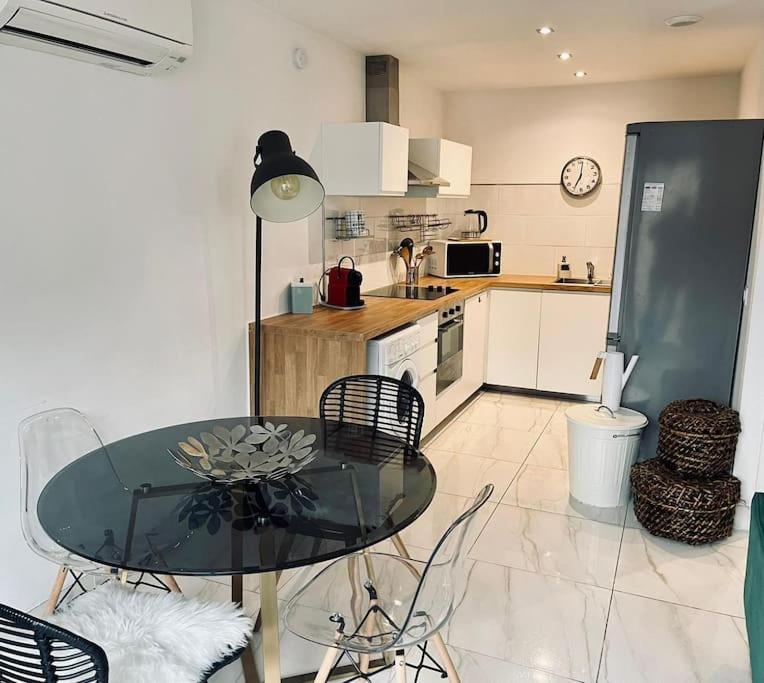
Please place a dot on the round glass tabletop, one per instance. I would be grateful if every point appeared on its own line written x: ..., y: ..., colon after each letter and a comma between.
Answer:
x: 331, y: 489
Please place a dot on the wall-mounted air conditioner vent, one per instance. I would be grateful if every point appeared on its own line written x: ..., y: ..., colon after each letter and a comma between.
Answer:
x: 114, y: 39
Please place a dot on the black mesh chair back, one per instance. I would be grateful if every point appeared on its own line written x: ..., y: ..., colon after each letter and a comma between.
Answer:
x: 383, y: 403
x: 34, y: 651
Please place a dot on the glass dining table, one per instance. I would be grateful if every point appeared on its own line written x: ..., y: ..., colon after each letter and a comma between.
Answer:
x: 183, y: 501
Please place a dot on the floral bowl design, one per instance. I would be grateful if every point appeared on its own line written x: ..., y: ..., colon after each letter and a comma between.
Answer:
x: 262, y: 452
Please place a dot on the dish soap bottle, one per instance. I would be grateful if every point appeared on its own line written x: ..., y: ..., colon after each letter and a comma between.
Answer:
x: 563, y: 269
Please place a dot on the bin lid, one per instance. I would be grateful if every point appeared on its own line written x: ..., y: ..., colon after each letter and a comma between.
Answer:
x: 622, y: 419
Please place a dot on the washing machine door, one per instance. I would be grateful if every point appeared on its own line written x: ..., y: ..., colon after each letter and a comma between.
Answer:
x: 407, y: 372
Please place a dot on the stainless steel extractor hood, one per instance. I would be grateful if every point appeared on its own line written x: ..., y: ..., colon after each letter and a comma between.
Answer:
x: 421, y: 177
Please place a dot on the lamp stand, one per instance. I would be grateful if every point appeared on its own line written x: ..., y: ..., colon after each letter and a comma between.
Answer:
x: 256, y: 371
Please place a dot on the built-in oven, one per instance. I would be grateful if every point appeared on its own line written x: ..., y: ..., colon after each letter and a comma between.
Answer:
x: 465, y: 258
x: 450, y: 346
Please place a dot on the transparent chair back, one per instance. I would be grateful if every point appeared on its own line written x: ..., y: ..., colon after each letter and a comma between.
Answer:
x: 414, y: 607
x: 48, y: 442
x: 444, y: 579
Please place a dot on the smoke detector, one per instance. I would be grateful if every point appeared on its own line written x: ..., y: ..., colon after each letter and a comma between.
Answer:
x: 682, y: 20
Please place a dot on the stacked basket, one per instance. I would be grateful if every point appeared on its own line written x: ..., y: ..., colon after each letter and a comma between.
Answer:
x: 687, y: 493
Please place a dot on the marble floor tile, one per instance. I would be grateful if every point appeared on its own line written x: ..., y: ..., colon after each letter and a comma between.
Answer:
x: 707, y: 577
x: 558, y: 424
x: 465, y: 475
x: 444, y: 509
x: 544, y: 488
x: 524, y: 417
x: 488, y: 441
x: 536, y: 621
x: 649, y: 641
x: 476, y: 668
x: 554, y: 545
x: 550, y: 450
x: 520, y: 399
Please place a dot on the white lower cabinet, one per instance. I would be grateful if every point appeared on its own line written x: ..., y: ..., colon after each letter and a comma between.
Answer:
x: 476, y: 313
x: 513, y: 338
x: 573, y: 330
x: 427, y: 390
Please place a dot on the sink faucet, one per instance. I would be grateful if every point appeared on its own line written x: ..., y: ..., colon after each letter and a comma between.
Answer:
x: 590, y: 271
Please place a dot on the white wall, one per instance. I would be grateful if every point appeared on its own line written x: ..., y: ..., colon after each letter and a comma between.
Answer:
x: 126, y: 233
x: 752, y: 84
x: 422, y: 108
x: 522, y: 138
x: 750, y: 383
x: 525, y: 135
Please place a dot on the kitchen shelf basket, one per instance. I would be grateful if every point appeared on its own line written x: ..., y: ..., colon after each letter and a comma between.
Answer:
x: 698, y: 438
x: 428, y: 225
x: 349, y: 229
x: 686, y: 510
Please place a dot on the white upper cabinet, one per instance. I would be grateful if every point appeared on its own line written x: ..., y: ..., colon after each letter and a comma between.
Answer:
x: 364, y: 159
x: 444, y: 159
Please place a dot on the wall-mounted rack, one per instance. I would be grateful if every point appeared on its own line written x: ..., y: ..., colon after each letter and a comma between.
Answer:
x: 349, y: 228
x: 428, y: 225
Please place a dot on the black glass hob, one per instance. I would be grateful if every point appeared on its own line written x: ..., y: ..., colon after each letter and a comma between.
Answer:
x: 427, y: 293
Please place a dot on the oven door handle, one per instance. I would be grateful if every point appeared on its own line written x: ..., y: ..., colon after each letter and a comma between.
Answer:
x: 450, y: 325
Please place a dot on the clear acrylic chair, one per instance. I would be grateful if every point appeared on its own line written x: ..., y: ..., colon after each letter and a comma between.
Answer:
x: 392, y: 604
x: 48, y: 442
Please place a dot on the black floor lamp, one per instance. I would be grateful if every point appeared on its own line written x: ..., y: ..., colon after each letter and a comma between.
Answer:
x: 284, y: 189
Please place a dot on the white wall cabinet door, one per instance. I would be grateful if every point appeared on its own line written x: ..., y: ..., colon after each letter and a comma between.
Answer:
x: 364, y: 159
x: 513, y: 338
x: 456, y: 167
x: 573, y: 331
x: 475, y: 338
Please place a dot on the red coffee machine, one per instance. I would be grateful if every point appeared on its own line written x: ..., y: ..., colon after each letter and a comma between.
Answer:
x: 344, y: 288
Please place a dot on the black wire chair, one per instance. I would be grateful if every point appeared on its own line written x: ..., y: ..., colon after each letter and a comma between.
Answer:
x: 383, y: 403
x: 33, y: 651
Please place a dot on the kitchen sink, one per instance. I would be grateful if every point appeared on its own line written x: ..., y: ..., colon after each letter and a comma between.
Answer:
x: 578, y: 281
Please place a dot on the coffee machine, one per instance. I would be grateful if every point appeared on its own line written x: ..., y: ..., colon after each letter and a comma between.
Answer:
x: 343, y: 290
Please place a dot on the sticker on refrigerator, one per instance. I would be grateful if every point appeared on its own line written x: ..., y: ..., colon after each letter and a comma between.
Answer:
x: 652, y: 197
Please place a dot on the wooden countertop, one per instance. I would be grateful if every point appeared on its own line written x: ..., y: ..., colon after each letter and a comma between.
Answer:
x: 380, y: 315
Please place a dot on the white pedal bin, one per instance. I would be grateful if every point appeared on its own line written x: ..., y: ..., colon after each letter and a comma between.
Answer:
x: 602, y: 447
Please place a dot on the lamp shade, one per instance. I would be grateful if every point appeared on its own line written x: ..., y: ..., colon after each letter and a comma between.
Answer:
x: 284, y: 188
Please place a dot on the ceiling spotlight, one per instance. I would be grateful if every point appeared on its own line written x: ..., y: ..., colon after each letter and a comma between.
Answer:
x: 544, y: 30
x: 565, y: 56
x: 580, y: 74
x: 683, y: 20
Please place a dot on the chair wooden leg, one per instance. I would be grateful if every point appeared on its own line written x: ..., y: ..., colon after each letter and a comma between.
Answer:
x: 123, y: 576
x: 55, y: 592
x: 400, y: 666
x: 172, y: 583
x: 437, y: 639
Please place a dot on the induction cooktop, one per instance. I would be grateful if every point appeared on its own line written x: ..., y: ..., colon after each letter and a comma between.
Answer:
x: 428, y: 293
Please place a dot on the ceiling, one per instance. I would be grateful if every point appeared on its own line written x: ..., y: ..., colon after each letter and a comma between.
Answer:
x: 487, y: 44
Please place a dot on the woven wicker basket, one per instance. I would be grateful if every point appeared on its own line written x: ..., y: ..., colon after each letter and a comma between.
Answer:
x: 684, y: 510
x: 698, y: 438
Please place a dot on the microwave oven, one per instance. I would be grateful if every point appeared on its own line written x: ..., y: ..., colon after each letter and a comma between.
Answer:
x: 465, y: 258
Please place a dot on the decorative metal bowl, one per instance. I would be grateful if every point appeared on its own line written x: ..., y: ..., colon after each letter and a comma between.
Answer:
x: 260, y: 453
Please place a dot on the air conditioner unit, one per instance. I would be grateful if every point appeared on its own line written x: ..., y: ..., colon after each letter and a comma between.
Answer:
x: 139, y: 36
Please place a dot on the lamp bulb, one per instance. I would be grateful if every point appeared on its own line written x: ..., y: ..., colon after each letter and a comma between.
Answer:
x: 286, y: 186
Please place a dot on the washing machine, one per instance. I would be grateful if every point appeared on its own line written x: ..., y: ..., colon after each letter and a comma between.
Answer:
x: 410, y: 355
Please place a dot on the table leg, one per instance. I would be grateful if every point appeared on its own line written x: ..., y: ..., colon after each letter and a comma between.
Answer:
x: 270, y: 610
x: 248, y: 656
x: 437, y: 640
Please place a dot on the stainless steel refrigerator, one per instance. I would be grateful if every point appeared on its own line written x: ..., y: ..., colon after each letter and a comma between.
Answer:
x: 688, y: 207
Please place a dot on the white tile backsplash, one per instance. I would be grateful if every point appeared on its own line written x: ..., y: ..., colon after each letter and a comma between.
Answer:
x: 538, y: 224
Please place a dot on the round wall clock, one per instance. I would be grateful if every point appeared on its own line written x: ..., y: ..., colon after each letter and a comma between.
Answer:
x: 581, y: 176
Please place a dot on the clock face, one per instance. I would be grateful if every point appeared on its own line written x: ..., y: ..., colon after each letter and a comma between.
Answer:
x: 581, y: 176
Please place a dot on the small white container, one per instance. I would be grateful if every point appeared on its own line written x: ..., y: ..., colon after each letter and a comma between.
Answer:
x: 602, y: 447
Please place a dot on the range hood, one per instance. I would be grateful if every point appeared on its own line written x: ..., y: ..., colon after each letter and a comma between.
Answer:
x: 436, y: 167
x: 421, y: 177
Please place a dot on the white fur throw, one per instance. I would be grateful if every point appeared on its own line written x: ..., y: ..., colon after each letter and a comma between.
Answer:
x: 153, y: 638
